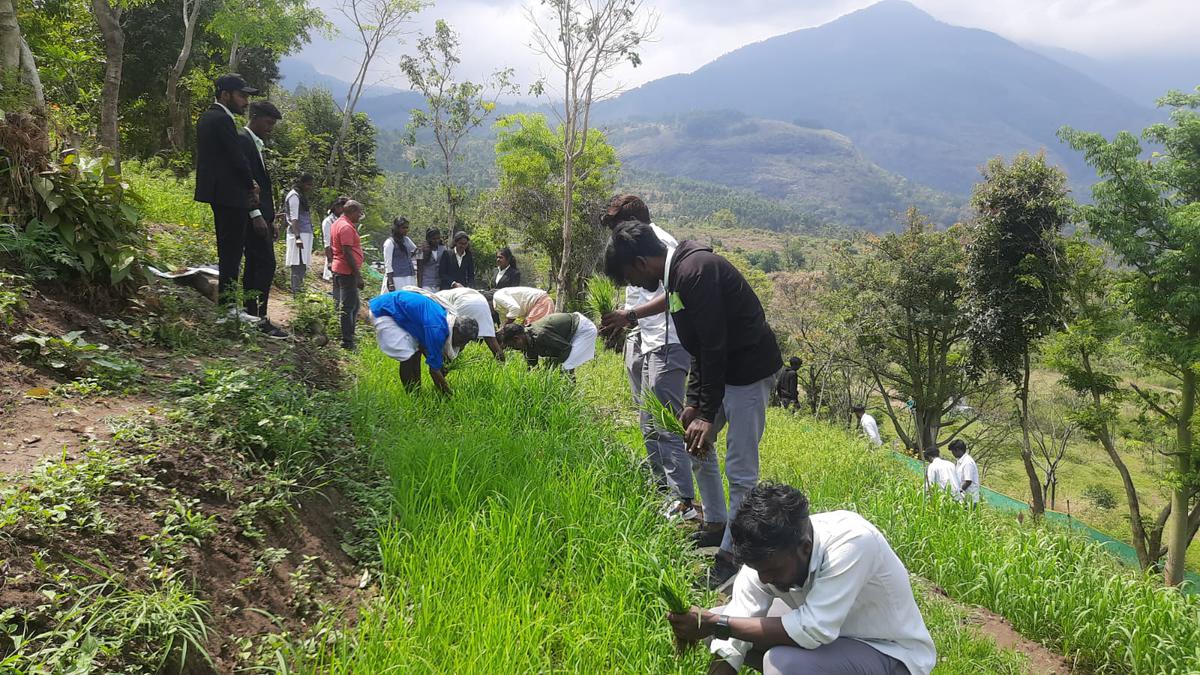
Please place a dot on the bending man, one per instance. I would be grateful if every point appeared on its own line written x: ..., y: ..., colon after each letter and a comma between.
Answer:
x: 409, y: 324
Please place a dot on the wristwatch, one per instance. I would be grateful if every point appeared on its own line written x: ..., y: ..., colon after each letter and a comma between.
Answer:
x: 631, y: 317
x: 722, y: 631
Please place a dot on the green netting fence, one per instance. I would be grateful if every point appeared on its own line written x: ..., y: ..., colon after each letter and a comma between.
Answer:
x: 1002, y: 502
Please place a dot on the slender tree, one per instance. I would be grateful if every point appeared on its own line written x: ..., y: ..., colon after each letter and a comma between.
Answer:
x: 1013, y: 279
x: 108, y: 14
x: 278, y: 26
x: 452, y: 108
x: 584, y: 40
x: 1148, y: 213
x: 176, y: 114
x: 375, y: 24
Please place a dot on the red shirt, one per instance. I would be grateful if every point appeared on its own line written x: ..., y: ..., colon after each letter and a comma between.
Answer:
x: 342, y: 233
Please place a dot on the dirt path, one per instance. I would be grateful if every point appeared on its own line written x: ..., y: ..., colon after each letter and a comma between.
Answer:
x: 35, y: 428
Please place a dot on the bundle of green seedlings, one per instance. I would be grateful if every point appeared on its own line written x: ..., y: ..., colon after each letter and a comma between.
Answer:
x: 603, y: 297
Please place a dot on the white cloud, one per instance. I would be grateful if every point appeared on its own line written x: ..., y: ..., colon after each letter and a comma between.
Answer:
x: 496, y: 33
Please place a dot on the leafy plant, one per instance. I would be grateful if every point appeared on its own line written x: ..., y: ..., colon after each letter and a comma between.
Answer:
x: 1101, y: 496
x: 71, y: 353
x: 12, y: 297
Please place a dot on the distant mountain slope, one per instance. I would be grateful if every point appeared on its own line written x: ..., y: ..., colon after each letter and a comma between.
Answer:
x: 924, y: 99
x: 818, y: 172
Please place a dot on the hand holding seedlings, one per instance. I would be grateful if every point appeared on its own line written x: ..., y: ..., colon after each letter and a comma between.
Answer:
x: 692, y: 626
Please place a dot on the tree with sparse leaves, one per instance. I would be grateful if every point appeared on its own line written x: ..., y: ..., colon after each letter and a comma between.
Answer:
x: 1147, y: 211
x: 584, y: 40
x: 1014, y: 285
x: 452, y: 108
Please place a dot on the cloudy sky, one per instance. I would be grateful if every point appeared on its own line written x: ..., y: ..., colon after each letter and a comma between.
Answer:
x: 690, y: 33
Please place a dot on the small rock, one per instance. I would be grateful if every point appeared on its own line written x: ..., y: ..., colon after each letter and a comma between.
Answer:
x: 32, y: 439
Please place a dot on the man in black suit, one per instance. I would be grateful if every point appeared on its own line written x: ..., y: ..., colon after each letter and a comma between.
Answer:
x: 225, y: 182
x: 260, y: 248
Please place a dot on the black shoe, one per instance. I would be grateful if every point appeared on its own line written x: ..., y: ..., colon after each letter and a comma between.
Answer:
x: 720, y: 574
x: 272, y: 331
x: 704, y: 537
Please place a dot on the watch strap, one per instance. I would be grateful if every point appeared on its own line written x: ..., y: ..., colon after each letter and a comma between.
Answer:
x: 722, y: 631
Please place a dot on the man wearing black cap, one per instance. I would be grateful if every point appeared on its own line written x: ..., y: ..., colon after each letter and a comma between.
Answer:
x: 225, y: 182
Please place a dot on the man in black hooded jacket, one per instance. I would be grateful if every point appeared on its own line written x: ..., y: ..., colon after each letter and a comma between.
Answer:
x: 735, y: 358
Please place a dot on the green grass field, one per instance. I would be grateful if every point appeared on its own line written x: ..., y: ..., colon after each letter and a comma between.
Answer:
x: 525, y: 538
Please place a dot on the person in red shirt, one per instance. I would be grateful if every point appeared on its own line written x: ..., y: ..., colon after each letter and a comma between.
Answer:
x: 347, y: 267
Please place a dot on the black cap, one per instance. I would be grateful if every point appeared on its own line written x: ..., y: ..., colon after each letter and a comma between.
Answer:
x: 234, y: 82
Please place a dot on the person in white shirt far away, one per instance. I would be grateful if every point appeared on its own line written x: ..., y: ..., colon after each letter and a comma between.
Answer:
x: 941, y: 474
x: 399, y: 270
x: 870, y: 427
x: 967, y: 470
x: 821, y: 593
x: 299, y: 240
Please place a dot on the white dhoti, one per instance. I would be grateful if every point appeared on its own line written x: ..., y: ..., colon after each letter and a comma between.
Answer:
x: 583, y: 345
x: 298, y: 256
x: 393, y: 340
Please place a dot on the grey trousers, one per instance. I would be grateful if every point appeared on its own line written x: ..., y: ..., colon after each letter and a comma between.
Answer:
x: 346, y: 293
x: 634, y: 371
x: 744, y: 412
x: 665, y: 371
x: 843, y: 656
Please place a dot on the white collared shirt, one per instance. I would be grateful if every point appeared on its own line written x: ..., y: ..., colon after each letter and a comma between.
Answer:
x: 659, y: 329
x: 227, y: 111
x: 460, y: 257
x: 856, y: 588
x: 500, y: 274
x: 941, y: 474
x: 968, y: 470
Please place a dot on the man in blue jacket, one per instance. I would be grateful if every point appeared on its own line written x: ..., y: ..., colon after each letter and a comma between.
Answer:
x: 409, y: 324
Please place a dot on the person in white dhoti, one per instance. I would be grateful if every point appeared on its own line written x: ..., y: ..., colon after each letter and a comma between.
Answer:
x: 467, y: 302
x: 298, y: 251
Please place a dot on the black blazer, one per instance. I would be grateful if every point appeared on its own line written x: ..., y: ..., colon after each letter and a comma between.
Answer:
x: 266, y: 195
x: 511, y: 277
x: 223, y: 176
x: 450, y: 271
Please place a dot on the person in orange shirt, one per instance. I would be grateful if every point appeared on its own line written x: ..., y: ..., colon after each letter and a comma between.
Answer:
x: 347, y: 267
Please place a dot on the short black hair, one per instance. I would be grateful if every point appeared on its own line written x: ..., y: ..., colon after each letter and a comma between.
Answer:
x: 623, y: 208
x: 958, y: 445
x: 467, y: 327
x: 432, y: 231
x: 795, y: 362
x: 932, y: 452
x: 508, y: 332
x: 770, y: 519
x: 264, y: 109
x: 858, y: 407
x: 399, y: 221
x: 630, y: 240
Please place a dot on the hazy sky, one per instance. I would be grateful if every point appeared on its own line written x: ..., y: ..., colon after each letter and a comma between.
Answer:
x: 496, y: 33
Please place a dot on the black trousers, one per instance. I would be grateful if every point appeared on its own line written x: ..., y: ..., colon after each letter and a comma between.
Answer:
x: 345, y: 289
x: 236, y: 238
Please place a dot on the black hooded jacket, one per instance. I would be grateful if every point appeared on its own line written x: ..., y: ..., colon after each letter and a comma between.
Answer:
x: 721, y: 324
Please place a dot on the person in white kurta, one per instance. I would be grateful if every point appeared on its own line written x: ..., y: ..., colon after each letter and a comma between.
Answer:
x: 299, y: 243
x: 399, y: 267
x: 821, y: 593
x: 967, y: 470
x: 522, y: 302
x: 941, y: 474
x: 335, y: 212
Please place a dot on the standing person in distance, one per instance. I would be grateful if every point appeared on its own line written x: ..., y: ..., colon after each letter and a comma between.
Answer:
x: 788, y: 389
x: 398, y: 251
x: 224, y: 181
x: 335, y: 212
x: 735, y: 357
x: 299, y: 241
x: 867, y: 423
x: 260, y: 250
x: 507, y: 273
x: 429, y: 272
x: 657, y: 363
x: 347, y: 268
x: 967, y: 470
x: 941, y: 474
x: 457, y: 266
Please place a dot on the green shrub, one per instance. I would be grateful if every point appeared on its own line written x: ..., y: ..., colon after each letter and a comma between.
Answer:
x: 12, y: 297
x: 74, y: 355
x: 180, y: 229
x: 1100, y: 495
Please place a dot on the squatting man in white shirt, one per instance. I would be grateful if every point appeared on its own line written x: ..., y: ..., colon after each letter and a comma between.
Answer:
x: 815, y: 594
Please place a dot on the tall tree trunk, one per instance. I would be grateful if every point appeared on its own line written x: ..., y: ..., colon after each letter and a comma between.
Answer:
x: 108, y: 18
x: 235, y: 56
x: 175, y: 112
x: 451, y: 210
x: 564, y: 270
x: 1178, y: 531
x: 1037, y: 502
x: 15, y: 56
